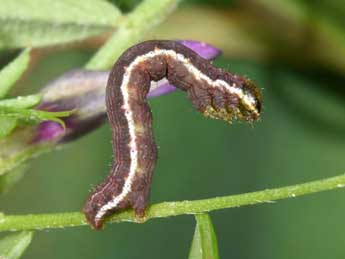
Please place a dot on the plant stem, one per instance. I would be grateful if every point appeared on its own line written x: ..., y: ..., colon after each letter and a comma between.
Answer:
x: 168, y: 209
x: 135, y: 26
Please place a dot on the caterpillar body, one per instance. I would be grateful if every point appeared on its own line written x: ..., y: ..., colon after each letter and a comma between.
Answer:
x: 212, y: 91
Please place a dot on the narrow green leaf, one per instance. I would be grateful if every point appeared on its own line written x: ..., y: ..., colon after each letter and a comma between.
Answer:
x: 12, y: 72
x: 204, y: 245
x: 7, y: 124
x: 32, y: 115
x: 14, y: 245
x: 45, y: 22
x: 22, y: 101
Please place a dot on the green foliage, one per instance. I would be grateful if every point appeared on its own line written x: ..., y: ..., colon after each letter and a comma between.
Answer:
x: 17, y: 110
x: 44, y: 22
x: 204, y: 245
x: 22, y: 102
x: 14, y: 245
x: 32, y: 115
x: 8, y: 76
x: 7, y: 125
x: 13, y: 71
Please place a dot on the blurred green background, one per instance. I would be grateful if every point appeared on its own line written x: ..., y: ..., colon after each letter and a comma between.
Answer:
x: 294, y: 50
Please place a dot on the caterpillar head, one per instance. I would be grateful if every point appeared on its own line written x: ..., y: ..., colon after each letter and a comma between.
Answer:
x: 236, y: 98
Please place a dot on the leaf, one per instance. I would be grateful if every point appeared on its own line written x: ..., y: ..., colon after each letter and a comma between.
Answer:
x: 12, y: 72
x: 32, y: 115
x: 22, y: 101
x: 14, y: 245
x: 7, y: 124
x: 44, y: 22
x: 204, y: 245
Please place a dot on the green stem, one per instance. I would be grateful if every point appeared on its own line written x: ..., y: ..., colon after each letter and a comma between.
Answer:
x: 168, y: 209
x: 135, y: 27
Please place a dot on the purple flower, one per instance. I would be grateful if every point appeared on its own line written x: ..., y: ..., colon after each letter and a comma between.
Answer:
x: 203, y: 49
x: 83, y: 91
x: 48, y: 130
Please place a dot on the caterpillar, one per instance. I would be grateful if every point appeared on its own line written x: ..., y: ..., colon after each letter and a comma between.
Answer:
x: 212, y: 91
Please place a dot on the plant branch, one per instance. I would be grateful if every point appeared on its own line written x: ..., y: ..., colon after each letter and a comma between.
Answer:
x: 134, y: 27
x: 169, y: 209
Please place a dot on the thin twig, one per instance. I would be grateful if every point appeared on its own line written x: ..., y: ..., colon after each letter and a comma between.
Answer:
x: 169, y: 209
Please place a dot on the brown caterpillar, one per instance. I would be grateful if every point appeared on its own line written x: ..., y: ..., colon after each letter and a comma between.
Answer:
x: 214, y: 92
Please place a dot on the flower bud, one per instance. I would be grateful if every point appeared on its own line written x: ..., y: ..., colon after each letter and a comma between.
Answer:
x: 83, y: 91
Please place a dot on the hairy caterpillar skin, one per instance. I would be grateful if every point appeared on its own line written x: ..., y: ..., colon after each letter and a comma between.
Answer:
x: 214, y: 92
